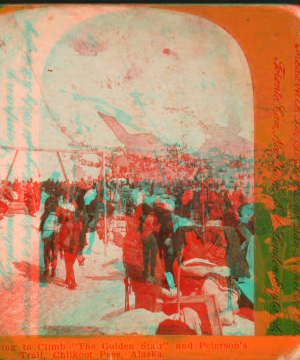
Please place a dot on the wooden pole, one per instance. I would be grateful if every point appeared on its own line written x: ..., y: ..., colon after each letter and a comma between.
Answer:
x: 131, y: 164
x: 104, y: 202
x: 75, y: 167
x: 80, y: 149
x: 12, y: 165
x: 202, y: 200
x: 62, y: 166
x: 160, y: 169
x: 178, y: 282
x: 65, y: 175
x: 110, y: 163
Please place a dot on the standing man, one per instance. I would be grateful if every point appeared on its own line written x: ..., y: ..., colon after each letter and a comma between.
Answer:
x: 49, y: 230
x: 149, y: 228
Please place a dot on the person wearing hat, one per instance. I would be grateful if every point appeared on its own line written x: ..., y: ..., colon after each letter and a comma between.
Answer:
x: 127, y: 200
x: 49, y: 228
x: 70, y: 243
x: 166, y: 218
x: 149, y: 228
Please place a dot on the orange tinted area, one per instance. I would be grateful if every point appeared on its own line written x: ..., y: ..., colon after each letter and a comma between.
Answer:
x: 267, y: 35
x: 168, y: 347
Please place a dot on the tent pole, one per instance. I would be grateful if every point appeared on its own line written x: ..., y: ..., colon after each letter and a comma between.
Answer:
x: 65, y: 175
x: 110, y: 162
x: 62, y: 166
x: 178, y: 283
x: 202, y: 200
x: 160, y: 169
x: 131, y: 165
x: 104, y: 202
x: 75, y: 168
x: 12, y: 165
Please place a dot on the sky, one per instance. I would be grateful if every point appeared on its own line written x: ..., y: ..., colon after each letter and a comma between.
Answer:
x: 179, y: 77
x: 169, y: 74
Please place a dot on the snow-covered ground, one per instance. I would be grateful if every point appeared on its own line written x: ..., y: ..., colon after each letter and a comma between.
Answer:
x: 30, y: 305
x: 47, y: 307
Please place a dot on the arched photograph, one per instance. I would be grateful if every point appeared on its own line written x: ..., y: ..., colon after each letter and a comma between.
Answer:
x: 153, y: 113
x: 149, y: 181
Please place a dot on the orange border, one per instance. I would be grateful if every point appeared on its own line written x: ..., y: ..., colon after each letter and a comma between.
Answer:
x: 264, y: 33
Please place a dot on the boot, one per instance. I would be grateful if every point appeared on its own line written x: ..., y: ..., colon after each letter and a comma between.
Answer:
x: 72, y: 286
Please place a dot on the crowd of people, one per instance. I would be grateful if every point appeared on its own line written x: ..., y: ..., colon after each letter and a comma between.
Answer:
x: 179, y: 239
x: 162, y: 220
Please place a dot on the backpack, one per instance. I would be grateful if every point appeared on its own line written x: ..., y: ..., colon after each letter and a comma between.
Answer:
x: 69, y: 236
